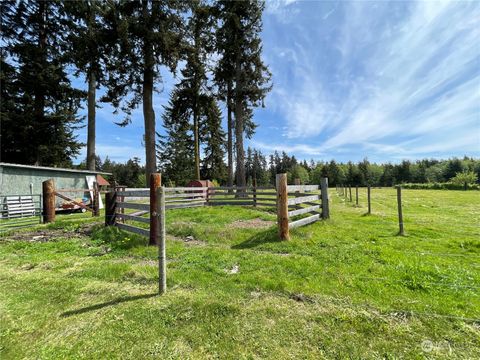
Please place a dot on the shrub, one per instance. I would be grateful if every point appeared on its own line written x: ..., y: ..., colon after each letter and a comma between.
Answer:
x: 464, y: 177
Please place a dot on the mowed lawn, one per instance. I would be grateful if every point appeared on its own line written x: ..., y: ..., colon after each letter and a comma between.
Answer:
x: 348, y: 287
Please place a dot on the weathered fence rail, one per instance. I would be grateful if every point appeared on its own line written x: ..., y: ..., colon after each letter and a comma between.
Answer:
x: 154, y: 202
x: 250, y: 195
x: 49, y: 192
x: 298, y: 200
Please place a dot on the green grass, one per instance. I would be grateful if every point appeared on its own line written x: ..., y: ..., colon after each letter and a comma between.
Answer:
x: 348, y: 287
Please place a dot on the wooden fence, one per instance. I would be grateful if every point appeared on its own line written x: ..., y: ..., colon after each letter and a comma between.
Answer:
x: 49, y: 192
x: 300, y: 200
x: 148, y: 206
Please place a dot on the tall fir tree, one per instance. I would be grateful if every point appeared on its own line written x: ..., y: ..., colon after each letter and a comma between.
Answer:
x: 213, y: 166
x: 193, y: 89
x: 175, y: 149
x: 192, y: 100
x: 149, y: 35
x: 45, y: 113
x: 90, y: 40
x: 241, y: 67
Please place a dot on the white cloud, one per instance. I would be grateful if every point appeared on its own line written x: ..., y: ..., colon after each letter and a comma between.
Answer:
x: 412, y: 83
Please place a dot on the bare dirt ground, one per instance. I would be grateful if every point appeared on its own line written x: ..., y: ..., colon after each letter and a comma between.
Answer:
x: 44, y: 235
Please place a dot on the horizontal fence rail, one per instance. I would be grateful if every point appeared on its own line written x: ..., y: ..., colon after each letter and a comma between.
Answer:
x: 242, y: 196
x: 137, y: 206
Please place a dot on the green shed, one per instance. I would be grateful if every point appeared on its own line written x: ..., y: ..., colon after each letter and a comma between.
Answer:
x: 16, y: 179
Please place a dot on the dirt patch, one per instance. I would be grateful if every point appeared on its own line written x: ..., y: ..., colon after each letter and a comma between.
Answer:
x: 44, y: 235
x: 252, y: 224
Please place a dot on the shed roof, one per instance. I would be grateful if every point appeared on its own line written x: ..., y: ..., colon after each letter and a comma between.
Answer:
x: 101, y: 181
x: 52, y: 168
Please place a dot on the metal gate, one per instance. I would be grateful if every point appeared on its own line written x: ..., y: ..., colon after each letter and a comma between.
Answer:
x: 17, y: 211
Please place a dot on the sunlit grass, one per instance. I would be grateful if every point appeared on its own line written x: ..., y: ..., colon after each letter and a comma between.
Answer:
x: 346, y: 287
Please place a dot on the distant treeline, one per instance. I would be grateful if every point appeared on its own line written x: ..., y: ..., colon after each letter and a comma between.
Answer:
x: 362, y: 173
x: 435, y: 174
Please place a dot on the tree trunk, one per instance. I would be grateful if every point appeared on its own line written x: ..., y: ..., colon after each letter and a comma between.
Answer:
x: 196, y: 137
x: 239, y: 126
x: 39, y: 91
x: 92, y: 85
x: 148, y: 113
x: 230, y: 134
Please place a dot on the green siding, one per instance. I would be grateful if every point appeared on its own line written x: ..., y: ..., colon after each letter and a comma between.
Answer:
x: 16, y: 181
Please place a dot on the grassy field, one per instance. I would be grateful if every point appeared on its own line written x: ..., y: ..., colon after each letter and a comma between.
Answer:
x: 348, y: 287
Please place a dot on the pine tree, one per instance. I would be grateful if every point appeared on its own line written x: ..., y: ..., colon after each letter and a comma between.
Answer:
x: 45, y: 113
x: 241, y: 67
x: 149, y: 35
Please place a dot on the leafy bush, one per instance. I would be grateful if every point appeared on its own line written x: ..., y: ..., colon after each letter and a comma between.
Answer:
x: 465, y: 177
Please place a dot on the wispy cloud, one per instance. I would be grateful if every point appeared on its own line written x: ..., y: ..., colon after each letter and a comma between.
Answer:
x: 400, y: 78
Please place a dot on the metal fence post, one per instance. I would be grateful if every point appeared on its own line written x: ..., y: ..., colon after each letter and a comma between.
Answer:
x: 162, y: 258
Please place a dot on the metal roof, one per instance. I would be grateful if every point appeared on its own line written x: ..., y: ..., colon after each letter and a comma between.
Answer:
x: 53, y: 169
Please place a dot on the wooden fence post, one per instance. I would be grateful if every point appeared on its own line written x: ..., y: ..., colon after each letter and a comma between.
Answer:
x: 162, y: 258
x: 368, y: 199
x: 325, y: 201
x: 155, y: 184
x: 110, y: 208
x: 48, y: 190
x: 96, y: 200
x: 400, y: 215
x: 282, y: 206
x: 254, y: 184
x: 350, y: 190
x: 356, y: 195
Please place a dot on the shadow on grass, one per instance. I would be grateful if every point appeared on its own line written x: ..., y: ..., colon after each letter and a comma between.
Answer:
x: 116, y: 238
x: 263, y: 237
x: 106, y: 304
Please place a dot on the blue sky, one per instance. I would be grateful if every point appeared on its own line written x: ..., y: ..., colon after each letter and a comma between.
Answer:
x: 383, y: 80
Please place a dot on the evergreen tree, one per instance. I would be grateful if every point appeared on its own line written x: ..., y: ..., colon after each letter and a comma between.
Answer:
x: 149, y: 35
x: 175, y: 149
x: 42, y: 119
x: 213, y: 136
x: 89, y: 38
x: 239, y: 46
x: 195, y: 99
